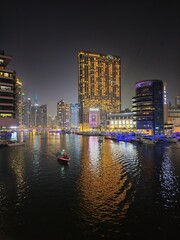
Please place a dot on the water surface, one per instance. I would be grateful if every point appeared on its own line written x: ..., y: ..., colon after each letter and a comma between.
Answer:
x: 110, y: 190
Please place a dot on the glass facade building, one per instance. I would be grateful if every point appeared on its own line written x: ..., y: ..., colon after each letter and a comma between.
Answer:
x: 63, y: 115
x: 148, y: 106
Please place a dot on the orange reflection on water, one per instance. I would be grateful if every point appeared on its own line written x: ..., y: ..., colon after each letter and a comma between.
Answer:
x: 103, y: 183
x: 17, y: 164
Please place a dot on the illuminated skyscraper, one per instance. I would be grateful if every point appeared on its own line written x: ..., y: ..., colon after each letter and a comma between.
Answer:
x: 8, y: 94
x: 63, y: 115
x: 99, y: 88
x: 19, y: 104
x: 74, y: 116
x: 149, y: 105
x: 26, y: 110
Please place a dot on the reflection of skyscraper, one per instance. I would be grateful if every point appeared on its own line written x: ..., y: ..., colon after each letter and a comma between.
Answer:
x: 104, y: 184
x: 99, y: 86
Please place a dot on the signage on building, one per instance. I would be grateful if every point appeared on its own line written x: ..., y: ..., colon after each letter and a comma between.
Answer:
x: 94, y: 109
x: 93, y: 119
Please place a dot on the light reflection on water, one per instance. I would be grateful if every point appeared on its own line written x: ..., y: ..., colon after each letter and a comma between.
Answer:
x: 17, y: 166
x: 108, y: 189
x: 168, y: 180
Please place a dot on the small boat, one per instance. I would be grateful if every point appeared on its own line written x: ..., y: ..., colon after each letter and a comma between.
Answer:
x: 63, y: 157
x: 148, y: 140
x: 11, y: 143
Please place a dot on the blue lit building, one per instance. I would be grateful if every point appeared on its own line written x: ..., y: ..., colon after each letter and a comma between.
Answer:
x: 148, y: 106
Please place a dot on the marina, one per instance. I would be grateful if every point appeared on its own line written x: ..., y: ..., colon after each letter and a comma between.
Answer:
x: 109, y: 190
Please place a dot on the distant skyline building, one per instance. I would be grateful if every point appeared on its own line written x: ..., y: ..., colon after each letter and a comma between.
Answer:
x: 36, y: 100
x: 52, y: 121
x: 174, y: 118
x: 177, y: 101
x: 99, y: 88
x: 43, y: 115
x: 8, y: 103
x: 38, y: 116
x: 149, y: 106
x: 18, y: 100
x: 63, y: 115
x: 26, y: 110
x: 74, y: 116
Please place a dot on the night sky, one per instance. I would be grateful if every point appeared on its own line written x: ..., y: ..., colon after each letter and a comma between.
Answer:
x: 44, y: 40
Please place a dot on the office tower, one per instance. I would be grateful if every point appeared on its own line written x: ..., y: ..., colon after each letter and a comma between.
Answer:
x: 99, y: 88
x: 43, y: 118
x: 8, y: 105
x: 177, y: 101
x: 19, y: 103
x: 38, y: 116
x: 52, y: 121
x: 26, y: 110
x: 63, y: 115
x: 74, y: 116
x: 148, y: 106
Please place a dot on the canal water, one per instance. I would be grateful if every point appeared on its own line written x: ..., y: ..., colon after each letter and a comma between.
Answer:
x: 110, y: 190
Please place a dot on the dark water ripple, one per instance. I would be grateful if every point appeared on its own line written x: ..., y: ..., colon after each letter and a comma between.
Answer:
x: 110, y: 190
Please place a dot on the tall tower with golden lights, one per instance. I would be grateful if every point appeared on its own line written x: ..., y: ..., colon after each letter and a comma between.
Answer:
x: 99, y: 88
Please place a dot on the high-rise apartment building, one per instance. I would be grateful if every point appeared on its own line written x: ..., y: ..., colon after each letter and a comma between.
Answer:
x: 8, y: 104
x: 26, y: 110
x: 63, y: 115
x: 38, y: 116
x: 74, y: 116
x: 19, y: 104
x: 99, y: 88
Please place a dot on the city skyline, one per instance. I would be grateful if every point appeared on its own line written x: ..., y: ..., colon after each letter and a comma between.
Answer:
x: 44, y: 41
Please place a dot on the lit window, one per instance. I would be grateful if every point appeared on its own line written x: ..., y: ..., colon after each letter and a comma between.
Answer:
x: 6, y: 74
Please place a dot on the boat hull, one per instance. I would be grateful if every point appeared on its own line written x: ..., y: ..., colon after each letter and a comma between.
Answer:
x: 63, y: 160
x: 15, y: 143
